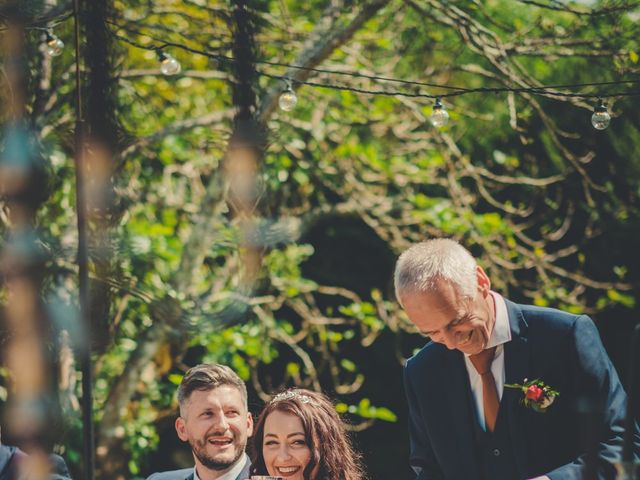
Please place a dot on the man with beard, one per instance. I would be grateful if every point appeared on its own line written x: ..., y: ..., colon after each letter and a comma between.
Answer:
x: 215, y: 420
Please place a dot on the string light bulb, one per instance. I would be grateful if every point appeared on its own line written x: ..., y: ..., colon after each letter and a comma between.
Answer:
x: 288, y: 99
x: 168, y: 64
x: 54, y: 44
x: 600, y: 118
x: 439, y: 117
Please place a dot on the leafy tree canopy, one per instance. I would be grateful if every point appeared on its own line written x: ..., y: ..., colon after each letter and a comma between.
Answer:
x: 279, y: 264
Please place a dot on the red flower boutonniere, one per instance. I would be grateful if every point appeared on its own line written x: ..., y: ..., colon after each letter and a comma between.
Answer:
x: 537, y: 395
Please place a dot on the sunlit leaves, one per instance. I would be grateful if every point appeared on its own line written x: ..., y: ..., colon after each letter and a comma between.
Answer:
x: 365, y: 409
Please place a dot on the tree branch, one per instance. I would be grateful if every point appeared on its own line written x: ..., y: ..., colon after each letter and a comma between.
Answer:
x: 324, y: 40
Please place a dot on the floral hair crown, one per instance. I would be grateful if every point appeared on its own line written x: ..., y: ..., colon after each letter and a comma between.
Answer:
x: 289, y: 394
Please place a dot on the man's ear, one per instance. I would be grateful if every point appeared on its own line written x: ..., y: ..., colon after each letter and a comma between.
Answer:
x: 249, y: 424
x: 484, y: 284
x: 181, y: 428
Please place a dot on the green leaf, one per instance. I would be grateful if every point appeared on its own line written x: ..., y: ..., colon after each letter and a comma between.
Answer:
x: 386, y: 415
x: 293, y: 369
x: 540, y: 302
x: 133, y: 467
x: 348, y: 365
x: 622, y: 298
x: 342, y: 407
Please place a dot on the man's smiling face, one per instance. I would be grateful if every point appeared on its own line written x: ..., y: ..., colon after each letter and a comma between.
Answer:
x: 216, y: 424
x: 449, y: 318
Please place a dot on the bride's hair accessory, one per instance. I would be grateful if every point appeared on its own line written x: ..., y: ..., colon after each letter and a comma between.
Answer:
x: 290, y: 394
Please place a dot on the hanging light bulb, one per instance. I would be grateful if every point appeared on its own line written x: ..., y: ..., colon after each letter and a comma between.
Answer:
x: 168, y: 64
x: 54, y: 45
x: 600, y: 118
x: 439, y: 117
x: 288, y: 99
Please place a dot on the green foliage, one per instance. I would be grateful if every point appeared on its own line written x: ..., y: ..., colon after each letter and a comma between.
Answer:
x: 364, y: 409
x: 549, y: 205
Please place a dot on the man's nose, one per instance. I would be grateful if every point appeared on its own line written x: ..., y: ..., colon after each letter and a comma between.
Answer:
x: 220, y: 423
x: 449, y: 339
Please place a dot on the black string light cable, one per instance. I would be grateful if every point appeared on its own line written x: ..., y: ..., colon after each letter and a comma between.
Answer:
x: 38, y: 24
x: 562, y: 7
x: 532, y: 90
x: 439, y: 117
x: 169, y: 65
x: 454, y: 90
x: 225, y: 58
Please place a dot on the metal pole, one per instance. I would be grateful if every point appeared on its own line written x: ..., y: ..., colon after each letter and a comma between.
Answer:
x: 83, y: 259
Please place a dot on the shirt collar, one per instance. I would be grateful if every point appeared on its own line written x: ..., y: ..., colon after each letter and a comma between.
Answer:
x: 231, y: 474
x: 501, y: 330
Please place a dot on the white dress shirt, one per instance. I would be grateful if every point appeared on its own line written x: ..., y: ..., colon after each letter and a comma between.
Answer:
x: 231, y: 474
x: 501, y: 334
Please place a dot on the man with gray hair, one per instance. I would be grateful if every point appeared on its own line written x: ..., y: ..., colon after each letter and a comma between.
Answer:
x: 215, y: 420
x: 499, y: 392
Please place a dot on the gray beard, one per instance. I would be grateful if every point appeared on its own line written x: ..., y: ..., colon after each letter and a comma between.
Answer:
x: 213, y: 464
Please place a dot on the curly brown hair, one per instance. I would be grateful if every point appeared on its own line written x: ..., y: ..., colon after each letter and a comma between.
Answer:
x: 324, y: 431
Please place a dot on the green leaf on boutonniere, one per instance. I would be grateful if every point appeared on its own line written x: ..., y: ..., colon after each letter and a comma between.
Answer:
x: 537, y: 395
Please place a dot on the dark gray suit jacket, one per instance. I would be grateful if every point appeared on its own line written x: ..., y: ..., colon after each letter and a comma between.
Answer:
x: 187, y: 473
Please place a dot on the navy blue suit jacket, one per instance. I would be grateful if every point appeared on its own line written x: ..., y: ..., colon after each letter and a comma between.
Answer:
x: 10, y: 457
x: 561, y: 349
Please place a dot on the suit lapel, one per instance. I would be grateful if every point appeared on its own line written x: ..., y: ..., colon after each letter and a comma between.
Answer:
x: 245, y: 473
x: 517, y: 367
x: 461, y: 419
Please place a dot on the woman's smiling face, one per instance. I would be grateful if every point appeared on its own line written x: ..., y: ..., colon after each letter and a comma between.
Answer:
x: 284, y: 446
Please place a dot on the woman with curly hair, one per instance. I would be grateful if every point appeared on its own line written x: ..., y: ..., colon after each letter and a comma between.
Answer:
x: 299, y: 436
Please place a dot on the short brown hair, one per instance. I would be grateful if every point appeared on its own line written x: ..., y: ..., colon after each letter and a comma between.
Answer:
x: 207, y: 376
x: 324, y: 432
